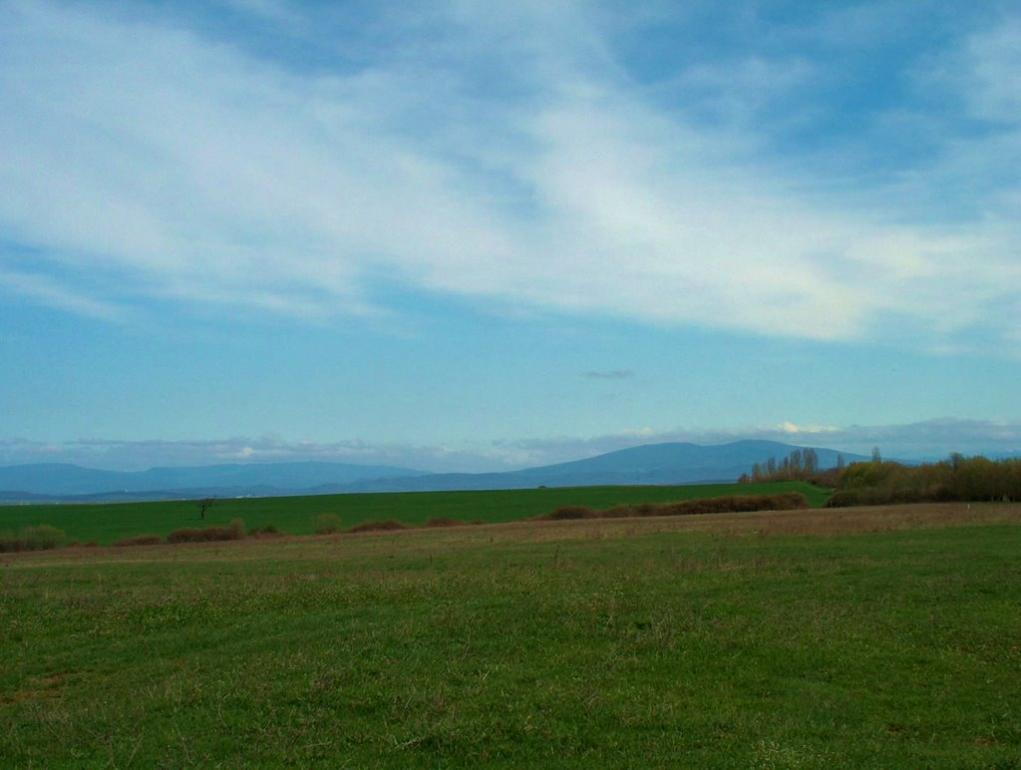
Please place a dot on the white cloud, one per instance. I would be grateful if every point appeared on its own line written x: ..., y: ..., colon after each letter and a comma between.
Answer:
x: 796, y: 429
x: 192, y: 170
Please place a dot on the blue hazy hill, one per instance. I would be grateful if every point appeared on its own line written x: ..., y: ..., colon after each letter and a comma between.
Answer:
x: 670, y: 463
x: 58, y: 480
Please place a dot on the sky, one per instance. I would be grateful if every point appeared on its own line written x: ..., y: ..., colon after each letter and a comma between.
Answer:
x: 472, y: 236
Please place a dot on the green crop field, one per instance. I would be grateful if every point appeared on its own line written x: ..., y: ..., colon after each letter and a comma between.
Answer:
x: 105, y: 523
x: 858, y: 638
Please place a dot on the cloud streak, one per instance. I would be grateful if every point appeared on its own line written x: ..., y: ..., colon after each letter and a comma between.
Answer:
x: 190, y: 169
x: 608, y: 374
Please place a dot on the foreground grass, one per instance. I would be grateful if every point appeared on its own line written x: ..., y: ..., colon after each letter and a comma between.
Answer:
x: 105, y: 523
x: 721, y: 641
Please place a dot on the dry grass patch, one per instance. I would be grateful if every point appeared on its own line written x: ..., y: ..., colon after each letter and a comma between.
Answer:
x: 395, y: 537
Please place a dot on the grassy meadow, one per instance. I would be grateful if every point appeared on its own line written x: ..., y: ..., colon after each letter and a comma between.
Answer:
x: 108, y: 522
x: 858, y: 638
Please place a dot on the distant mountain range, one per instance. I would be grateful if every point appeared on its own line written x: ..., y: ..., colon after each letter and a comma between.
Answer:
x: 672, y: 463
x: 65, y: 480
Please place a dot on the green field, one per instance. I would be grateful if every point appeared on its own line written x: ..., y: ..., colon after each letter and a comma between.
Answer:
x: 105, y: 523
x: 714, y: 642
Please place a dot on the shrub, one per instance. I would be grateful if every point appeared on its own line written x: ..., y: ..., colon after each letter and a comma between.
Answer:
x: 570, y: 512
x: 38, y: 538
x: 267, y: 530
x: 784, y: 501
x: 9, y: 542
x: 327, y: 524
x: 190, y: 535
x: 42, y: 537
x: 443, y: 521
x: 139, y: 540
x: 234, y: 531
x: 378, y: 526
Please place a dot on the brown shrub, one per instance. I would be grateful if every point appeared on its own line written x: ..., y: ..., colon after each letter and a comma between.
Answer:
x: 378, y: 526
x: 234, y: 531
x: 443, y: 521
x: 785, y: 501
x: 194, y: 535
x: 138, y: 540
x: 565, y: 512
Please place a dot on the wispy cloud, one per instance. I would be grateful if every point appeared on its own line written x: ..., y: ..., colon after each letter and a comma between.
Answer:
x: 49, y: 292
x: 504, y: 155
x: 608, y: 374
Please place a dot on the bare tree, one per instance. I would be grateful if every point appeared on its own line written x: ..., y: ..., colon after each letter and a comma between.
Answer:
x: 204, y: 505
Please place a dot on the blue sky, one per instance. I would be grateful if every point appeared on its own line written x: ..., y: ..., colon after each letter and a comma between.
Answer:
x: 460, y: 235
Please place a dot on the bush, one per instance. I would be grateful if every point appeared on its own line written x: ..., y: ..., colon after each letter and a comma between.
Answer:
x: 43, y: 537
x: 327, y: 524
x: 784, y: 501
x: 139, y: 540
x: 566, y: 512
x: 442, y: 521
x: 188, y: 535
x: 378, y: 526
x: 233, y: 531
x: 267, y: 530
x: 39, y: 538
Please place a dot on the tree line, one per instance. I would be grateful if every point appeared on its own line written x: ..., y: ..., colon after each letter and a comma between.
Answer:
x: 799, y: 465
x: 958, y: 478
x: 881, y: 482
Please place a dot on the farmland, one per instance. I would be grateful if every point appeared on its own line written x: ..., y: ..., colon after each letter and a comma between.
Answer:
x: 106, y: 523
x: 877, y: 637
